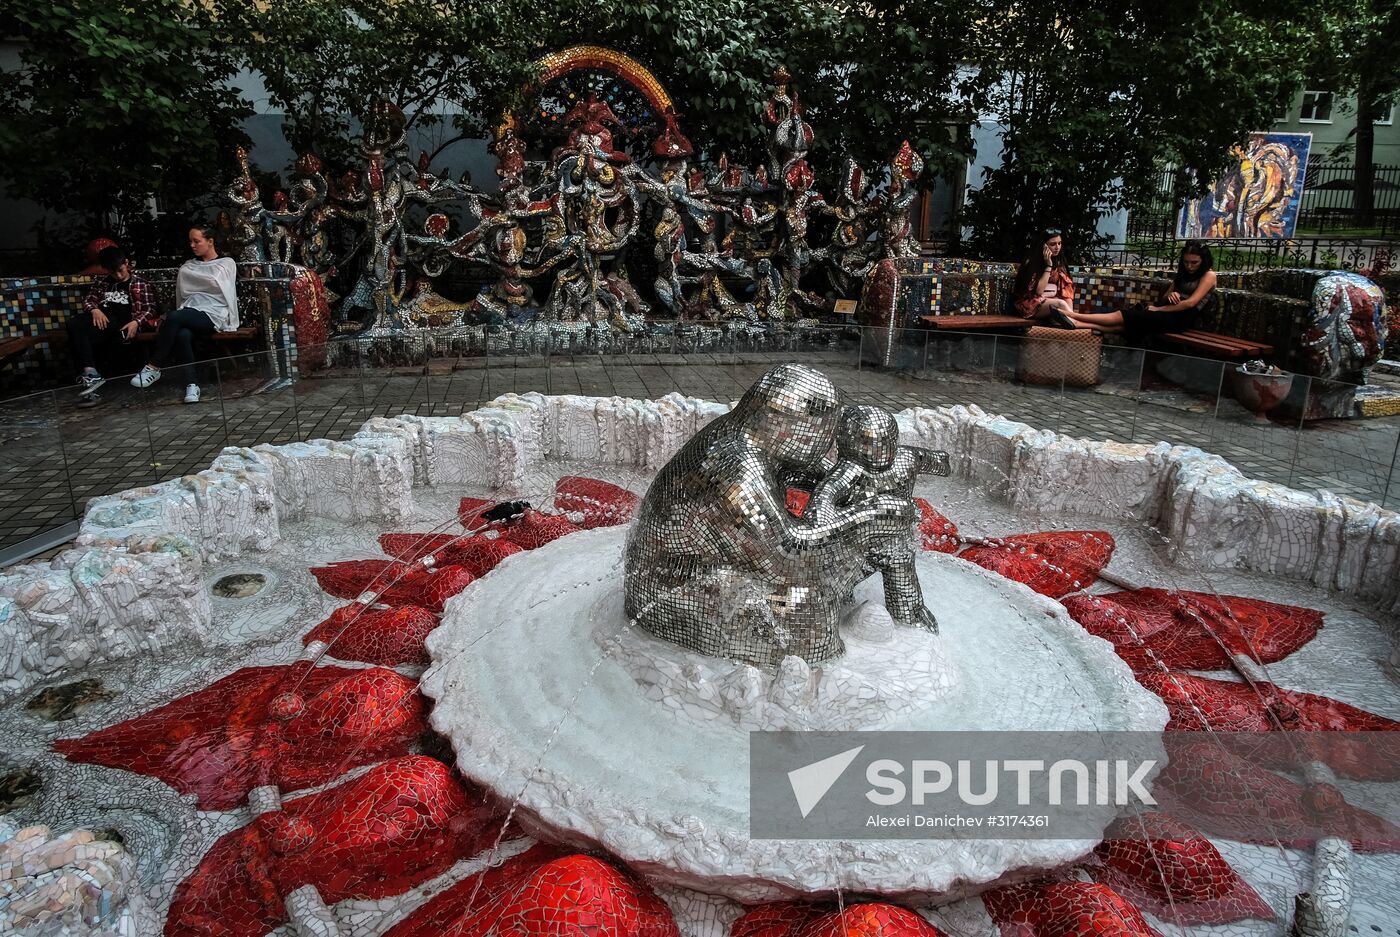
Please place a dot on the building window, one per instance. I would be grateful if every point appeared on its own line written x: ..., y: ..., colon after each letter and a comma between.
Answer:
x: 1387, y: 116
x: 1281, y: 115
x: 1317, y: 108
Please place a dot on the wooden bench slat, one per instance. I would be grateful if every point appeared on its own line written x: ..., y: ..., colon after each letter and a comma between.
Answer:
x: 975, y: 323
x: 1226, y: 346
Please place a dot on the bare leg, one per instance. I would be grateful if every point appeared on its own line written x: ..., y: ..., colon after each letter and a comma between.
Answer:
x: 1098, y: 320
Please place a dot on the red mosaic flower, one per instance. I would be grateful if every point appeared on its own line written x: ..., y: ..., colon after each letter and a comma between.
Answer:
x: 796, y: 501
x: 539, y: 895
x: 1174, y: 872
x: 803, y: 919
x: 1153, y: 629
x: 1055, y: 563
x: 290, y: 726
x: 777, y: 919
x: 390, y: 636
x: 395, y: 826
x: 1064, y: 909
x: 1223, y: 793
x: 936, y: 532
x: 601, y: 503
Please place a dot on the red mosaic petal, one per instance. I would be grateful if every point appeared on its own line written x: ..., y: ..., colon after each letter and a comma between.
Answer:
x: 391, y: 636
x: 797, y: 501
x: 1153, y: 629
x: 1199, y: 704
x: 778, y: 919
x: 534, y: 529
x: 378, y: 835
x: 393, y: 583
x: 876, y: 919
x: 804, y: 919
x: 351, y: 579
x: 479, y: 555
x: 410, y: 547
x: 936, y: 532
x: 601, y: 503
x: 473, y: 906
x: 1064, y: 909
x: 469, y: 512
x: 542, y: 893
x: 1225, y: 794
x: 1054, y: 563
x: 263, y: 725
x: 1174, y: 872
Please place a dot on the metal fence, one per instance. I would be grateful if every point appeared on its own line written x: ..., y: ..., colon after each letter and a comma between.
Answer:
x: 1369, y: 256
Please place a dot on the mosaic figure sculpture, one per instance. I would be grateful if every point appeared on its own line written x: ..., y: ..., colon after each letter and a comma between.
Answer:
x: 895, y: 234
x: 242, y: 196
x: 716, y: 564
x: 1348, y: 332
x: 872, y: 462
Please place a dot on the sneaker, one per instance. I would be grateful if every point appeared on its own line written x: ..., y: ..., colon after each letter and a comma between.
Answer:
x: 191, y: 392
x: 88, y: 400
x: 146, y: 377
x: 90, y: 382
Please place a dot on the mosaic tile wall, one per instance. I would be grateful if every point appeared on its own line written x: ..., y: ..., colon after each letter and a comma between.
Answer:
x: 33, y: 306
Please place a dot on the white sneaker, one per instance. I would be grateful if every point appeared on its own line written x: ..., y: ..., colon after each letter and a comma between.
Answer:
x: 146, y: 377
x: 191, y: 393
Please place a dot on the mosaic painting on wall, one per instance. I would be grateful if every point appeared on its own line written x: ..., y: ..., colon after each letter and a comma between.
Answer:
x: 1258, y: 197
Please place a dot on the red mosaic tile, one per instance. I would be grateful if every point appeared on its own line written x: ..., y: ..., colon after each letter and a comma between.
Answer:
x: 937, y: 534
x: 1199, y: 704
x: 805, y: 919
x: 1153, y: 629
x: 1054, y: 563
x: 287, y: 726
x: 390, y: 636
x: 1226, y: 795
x: 393, y: 582
x: 395, y: 826
x: 543, y: 894
x: 601, y: 503
x: 1065, y: 909
x: 1174, y: 872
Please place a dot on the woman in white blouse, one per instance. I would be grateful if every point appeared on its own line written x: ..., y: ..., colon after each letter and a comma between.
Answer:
x: 206, y: 301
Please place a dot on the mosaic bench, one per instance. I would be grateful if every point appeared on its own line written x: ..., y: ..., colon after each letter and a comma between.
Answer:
x: 277, y: 305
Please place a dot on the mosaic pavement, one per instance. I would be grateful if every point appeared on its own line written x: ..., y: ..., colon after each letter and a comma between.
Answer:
x: 58, y: 455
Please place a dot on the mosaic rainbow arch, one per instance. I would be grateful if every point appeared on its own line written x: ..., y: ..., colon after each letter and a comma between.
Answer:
x: 607, y: 60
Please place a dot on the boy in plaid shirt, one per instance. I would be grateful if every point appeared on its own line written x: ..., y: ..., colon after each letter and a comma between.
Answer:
x: 115, y: 307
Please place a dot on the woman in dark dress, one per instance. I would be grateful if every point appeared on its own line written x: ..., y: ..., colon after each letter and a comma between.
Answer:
x: 1191, y: 295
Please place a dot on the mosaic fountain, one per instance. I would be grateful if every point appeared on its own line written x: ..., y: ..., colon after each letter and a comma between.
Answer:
x: 245, y: 770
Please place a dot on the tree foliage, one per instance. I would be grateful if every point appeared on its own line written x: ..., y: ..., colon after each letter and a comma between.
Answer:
x: 1098, y: 95
x: 323, y: 62
x: 110, y: 103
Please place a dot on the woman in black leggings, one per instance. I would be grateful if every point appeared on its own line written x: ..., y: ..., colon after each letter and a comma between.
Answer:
x: 1192, y: 294
x: 206, y: 301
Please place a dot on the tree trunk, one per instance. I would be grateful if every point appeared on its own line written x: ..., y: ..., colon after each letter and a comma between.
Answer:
x: 1364, y: 195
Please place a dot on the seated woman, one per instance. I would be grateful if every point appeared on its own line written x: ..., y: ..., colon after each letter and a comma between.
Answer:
x: 206, y: 301
x: 1192, y: 293
x: 1043, y: 287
